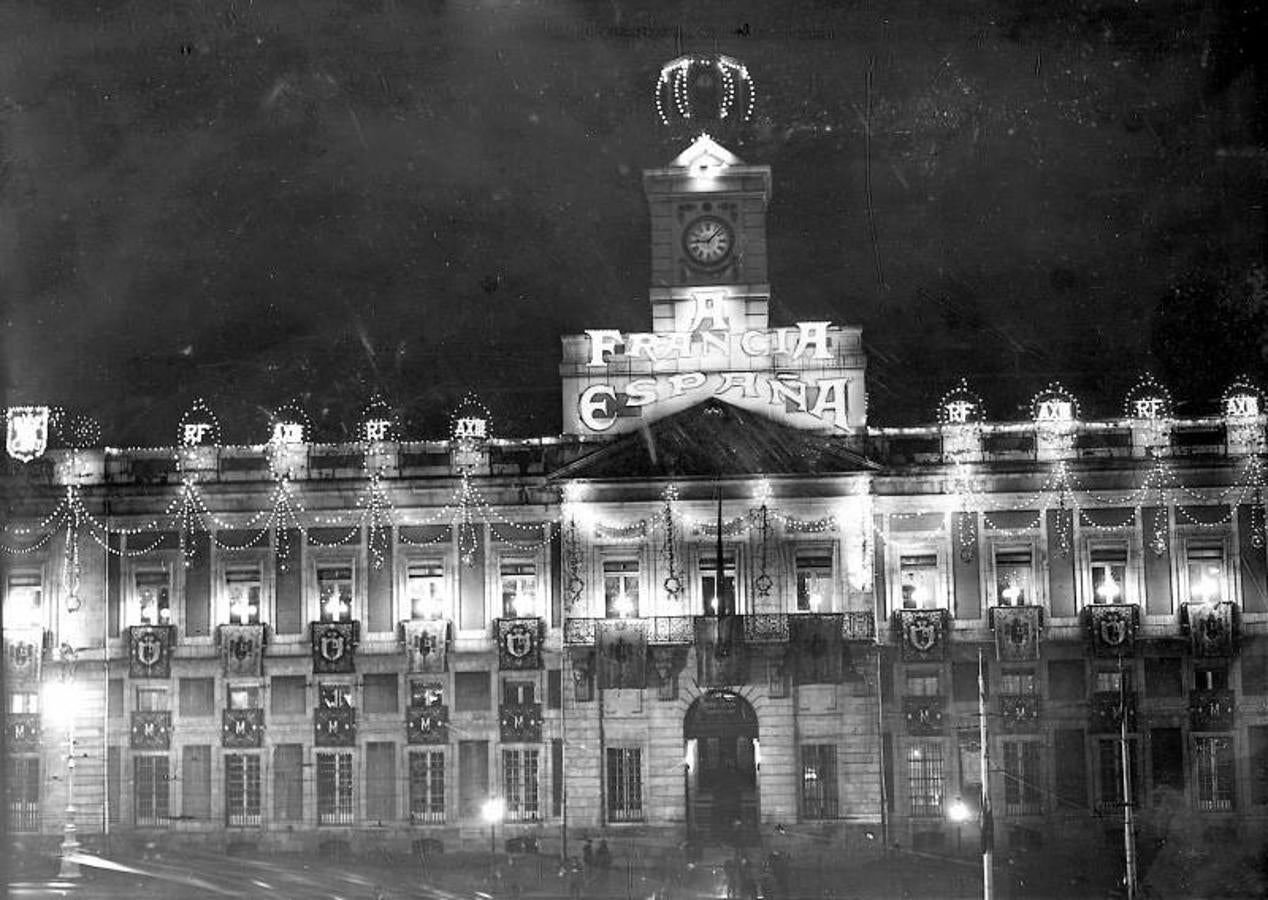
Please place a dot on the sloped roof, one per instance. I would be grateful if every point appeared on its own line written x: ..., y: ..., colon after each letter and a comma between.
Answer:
x: 715, y: 439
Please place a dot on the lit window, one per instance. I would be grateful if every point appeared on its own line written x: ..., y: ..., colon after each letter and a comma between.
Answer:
x: 1206, y: 571
x: 244, y: 696
x: 918, y: 579
x: 242, y: 789
x: 920, y: 684
x: 334, y: 589
x: 819, y: 781
x: 926, y: 778
x: 150, y: 782
x: 1210, y: 677
x: 425, y: 586
x: 335, y: 798
x: 625, y: 784
x: 1112, y: 680
x: 620, y: 588
x: 334, y: 696
x: 519, y: 784
x: 1013, y: 576
x: 814, y: 582
x: 22, y: 599
x: 24, y: 702
x: 1018, y: 682
x: 519, y: 589
x: 709, y: 584
x: 427, y: 786
x: 242, y: 584
x: 1022, y: 795
x: 151, y: 699
x: 1213, y: 772
x: 153, y: 591
x: 426, y: 694
x: 1109, y: 574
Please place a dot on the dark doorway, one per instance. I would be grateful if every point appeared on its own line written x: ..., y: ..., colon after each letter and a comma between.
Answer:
x: 720, y: 731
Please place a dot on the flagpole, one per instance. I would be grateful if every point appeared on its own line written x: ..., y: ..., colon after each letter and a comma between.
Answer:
x: 988, y: 823
x: 1129, y: 836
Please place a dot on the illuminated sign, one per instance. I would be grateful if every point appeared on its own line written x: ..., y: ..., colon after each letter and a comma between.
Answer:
x: 27, y: 433
x: 807, y: 339
x: 1241, y: 406
x: 808, y: 375
x: 288, y: 433
x: 193, y: 433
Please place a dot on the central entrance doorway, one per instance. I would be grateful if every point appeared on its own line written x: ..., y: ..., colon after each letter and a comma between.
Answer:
x: 721, y: 744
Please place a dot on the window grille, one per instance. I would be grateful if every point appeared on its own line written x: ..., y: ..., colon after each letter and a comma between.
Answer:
x: 334, y: 789
x: 625, y: 784
x: 242, y: 790
x: 427, y: 787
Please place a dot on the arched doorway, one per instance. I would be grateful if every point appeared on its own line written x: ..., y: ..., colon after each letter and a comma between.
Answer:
x: 720, y: 737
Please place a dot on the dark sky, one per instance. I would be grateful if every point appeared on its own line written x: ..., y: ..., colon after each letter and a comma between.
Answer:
x: 256, y: 202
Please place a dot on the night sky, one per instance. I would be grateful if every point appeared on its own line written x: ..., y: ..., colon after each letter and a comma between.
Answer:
x: 263, y: 202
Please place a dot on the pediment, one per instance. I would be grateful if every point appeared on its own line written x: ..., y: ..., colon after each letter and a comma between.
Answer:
x: 715, y: 439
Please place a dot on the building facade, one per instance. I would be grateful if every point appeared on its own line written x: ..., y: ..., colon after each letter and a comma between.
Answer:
x: 719, y: 609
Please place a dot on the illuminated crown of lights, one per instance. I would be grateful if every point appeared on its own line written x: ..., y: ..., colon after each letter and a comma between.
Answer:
x: 378, y: 423
x: 677, y: 91
x: 961, y: 406
x: 1241, y: 389
x: 1148, y: 399
x: 1055, y: 392
x: 198, y: 426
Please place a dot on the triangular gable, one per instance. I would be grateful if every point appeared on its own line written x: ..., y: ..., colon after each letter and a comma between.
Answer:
x: 715, y: 438
x: 705, y: 153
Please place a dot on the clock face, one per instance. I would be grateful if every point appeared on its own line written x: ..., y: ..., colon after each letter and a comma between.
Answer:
x: 708, y: 241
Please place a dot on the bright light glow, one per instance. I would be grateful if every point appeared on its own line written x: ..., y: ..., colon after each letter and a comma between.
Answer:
x: 524, y: 603
x: 492, y: 810
x: 958, y: 810
x: 61, y: 700
x: 689, y: 755
x: 757, y: 753
x: 1207, y: 589
x: 573, y: 491
x: 1011, y: 593
x: 624, y: 608
x: 1109, y: 591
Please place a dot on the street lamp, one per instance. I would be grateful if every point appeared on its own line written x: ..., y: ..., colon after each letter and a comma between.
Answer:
x: 60, y: 702
x: 492, y: 812
x: 958, y: 812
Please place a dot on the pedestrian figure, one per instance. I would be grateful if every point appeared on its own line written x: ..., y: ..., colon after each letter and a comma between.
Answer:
x: 587, y: 855
x: 603, y: 861
x: 731, y: 875
x: 572, y: 872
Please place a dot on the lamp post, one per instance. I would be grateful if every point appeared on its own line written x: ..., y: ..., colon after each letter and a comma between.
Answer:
x: 958, y: 812
x: 61, y: 702
x: 492, y: 812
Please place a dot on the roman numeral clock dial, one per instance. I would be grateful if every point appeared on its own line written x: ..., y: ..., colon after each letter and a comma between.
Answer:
x: 708, y: 241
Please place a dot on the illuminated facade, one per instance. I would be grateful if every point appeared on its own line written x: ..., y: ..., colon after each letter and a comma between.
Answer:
x: 719, y: 608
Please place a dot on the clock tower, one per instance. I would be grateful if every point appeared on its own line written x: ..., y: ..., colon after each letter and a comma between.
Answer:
x: 708, y: 224
x: 711, y: 336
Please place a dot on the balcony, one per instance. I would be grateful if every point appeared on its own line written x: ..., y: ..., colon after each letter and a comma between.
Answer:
x: 241, y: 650
x: 24, y: 732
x: 427, y: 724
x: 335, y: 727
x: 759, y: 628
x: 1212, y: 628
x: 521, y: 723
x: 1107, y: 709
x: 242, y: 728
x: 1212, y: 710
x: 151, y: 730
x: 334, y: 647
x: 1019, y: 713
x: 923, y: 714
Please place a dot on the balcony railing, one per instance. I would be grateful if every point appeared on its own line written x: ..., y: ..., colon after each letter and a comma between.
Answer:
x: 427, y: 817
x: 1212, y: 710
x: 759, y: 628
x: 24, y: 816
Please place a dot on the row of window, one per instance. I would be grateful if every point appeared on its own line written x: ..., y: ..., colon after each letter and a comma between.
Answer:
x: 1068, y: 679
x: 335, y: 786
x: 1109, y: 576
x: 1026, y: 792
x: 921, y: 574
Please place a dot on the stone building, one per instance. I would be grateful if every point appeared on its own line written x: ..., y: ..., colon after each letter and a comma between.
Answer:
x: 719, y: 608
